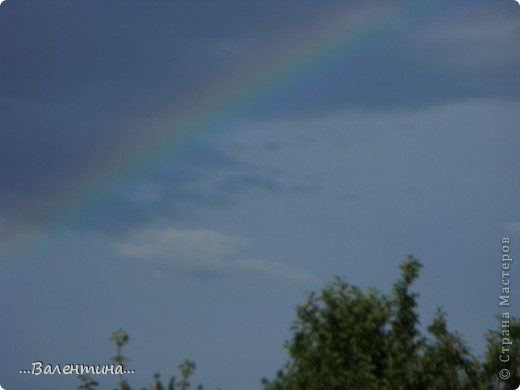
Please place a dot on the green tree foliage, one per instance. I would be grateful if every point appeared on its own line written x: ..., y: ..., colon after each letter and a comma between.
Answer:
x: 121, y: 338
x: 187, y: 369
x: 87, y: 383
x: 446, y: 362
x: 503, y: 352
x: 345, y: 338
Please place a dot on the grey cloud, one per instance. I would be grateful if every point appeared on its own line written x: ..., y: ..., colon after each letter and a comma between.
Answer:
x: 133, y: 55
x: 200, y: 249
x: 74, y: 75
x: 241, y: 182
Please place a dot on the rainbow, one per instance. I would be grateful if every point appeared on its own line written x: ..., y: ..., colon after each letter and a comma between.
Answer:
x: 335, y: 38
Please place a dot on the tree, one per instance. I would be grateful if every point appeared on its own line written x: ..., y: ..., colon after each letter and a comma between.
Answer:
x: 446, y: 362
x: 345, y: 338
x: 121, y: 338
x: 503, y: 352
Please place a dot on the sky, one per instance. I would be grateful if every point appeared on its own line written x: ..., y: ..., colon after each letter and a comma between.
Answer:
x: 190, y: 170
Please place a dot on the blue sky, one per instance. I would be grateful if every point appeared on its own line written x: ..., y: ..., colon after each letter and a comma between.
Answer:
x: 400, y: 139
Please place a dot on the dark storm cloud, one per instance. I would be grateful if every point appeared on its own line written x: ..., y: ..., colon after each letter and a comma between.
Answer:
x: 125, y: 56
x: 72, y: 73
x: 147, y: 49
x: 463, y: 53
